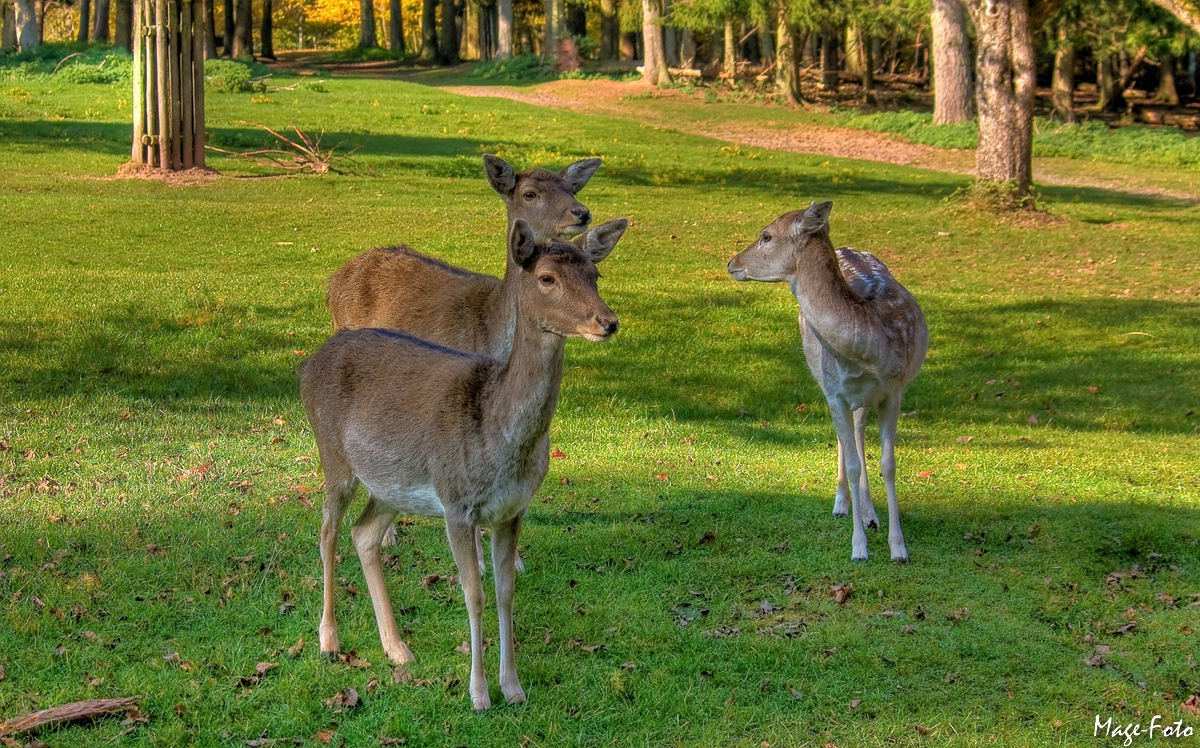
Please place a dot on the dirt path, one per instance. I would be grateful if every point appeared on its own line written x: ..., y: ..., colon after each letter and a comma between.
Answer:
x: 612, y: 97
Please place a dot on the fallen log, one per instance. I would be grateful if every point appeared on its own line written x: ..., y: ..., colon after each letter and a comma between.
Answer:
x: 73, y: 712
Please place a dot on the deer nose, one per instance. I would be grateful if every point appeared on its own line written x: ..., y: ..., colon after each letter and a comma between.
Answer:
x: 607, y: 324
x: 582, y: 214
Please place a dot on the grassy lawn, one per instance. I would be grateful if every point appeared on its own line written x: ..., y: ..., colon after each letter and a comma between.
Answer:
x: 158, y: 478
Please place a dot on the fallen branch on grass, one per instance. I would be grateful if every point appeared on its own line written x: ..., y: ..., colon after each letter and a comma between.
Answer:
x: 73, y: 712
x: 305, y: 154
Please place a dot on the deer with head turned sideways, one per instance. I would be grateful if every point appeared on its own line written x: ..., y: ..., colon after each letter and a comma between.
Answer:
x: 864, y: 338
x: 432, y: 431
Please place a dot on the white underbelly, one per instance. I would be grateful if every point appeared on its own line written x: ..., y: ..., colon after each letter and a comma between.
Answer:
x: 419, y: 500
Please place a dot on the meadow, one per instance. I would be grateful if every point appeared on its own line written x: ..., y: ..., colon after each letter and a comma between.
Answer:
x: 160, y: 491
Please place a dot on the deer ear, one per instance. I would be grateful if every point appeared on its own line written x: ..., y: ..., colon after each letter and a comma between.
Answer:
x: 521, y: 244
x: 816, y: 218
x: 578, y: 173
x: 598, y: 242
x: 500, y: 174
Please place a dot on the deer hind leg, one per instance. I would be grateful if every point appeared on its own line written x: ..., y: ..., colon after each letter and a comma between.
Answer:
x: 339, y: 490
x: 464, y: 537
x: 841, y: 500
x: 870, y: 518
x: 843, y: 421
x: 368, y: 532
x: 889, y: 415
x: 504, y: 555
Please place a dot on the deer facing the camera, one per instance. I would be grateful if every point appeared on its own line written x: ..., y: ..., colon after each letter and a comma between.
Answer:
x: 437, y: 432
x: 865, y: 339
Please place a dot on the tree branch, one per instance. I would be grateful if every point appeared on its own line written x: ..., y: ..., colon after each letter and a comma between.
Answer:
x: 1187, y: 11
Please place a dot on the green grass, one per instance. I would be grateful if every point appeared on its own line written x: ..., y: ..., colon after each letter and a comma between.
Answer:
x: 156, y: 465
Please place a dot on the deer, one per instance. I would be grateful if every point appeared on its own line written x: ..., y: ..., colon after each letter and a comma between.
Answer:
x: 432, y: 431
x: 864, y: 338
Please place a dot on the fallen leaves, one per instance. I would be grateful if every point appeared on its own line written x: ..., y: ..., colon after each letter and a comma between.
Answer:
x: 352, y: 659
x: 345, y: 699
x: 841, y: 593
x: 1191, y: 705
x: 297, y: 648
x: 589, y: 648
x: 558, y: 454
x: 1097, y: 658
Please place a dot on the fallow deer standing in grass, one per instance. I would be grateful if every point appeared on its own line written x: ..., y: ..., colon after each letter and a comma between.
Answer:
x: 432, y: 431
x: 864, y: 339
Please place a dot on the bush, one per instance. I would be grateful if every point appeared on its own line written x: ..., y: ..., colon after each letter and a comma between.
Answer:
x: 520, y: 68
x: 114, y: 68
x: 229, y: 76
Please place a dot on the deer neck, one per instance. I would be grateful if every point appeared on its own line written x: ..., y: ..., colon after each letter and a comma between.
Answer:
x: 503, y: 312
x: 827, y: 302
x: 527, y: 391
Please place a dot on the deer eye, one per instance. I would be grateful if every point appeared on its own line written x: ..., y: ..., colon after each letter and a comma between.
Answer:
x: 531, y: 195
x: 546, y: 280
x: 766, y: 238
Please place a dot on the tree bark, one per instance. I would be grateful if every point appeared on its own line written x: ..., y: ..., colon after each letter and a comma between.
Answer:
x: 243, y: 31
x: 429, y: 34
x: 267, y: 31
x: 100, y: 21
x: 868, y: 67
x: 1112, y: 98
x: 26, y: 24
x: 123, y: 28
x: 829, y: 56
x: 230, y: 30
x: 554, y: 32
x: 1167, y: 92
x: 787, y: 73
x: 396, y: 27
x: 729, y: 59
x: 366, y: 25
x: 687, y: 49
x: 1187, y: 11
x: 951, y: 63
x: 504, y: 29
x: 85, y: 20
x: 448, y: 43
x: 610, y: 30
x: 654, y: 62
x: 8, y: 19
x: 853, y: 62
x: 168, y: 84
x: 1062, y: 85
x: 1006, y: 69
x: 629, y: 45
x: 210, y: 31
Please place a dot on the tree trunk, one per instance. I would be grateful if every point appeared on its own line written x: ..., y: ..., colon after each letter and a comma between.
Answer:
x: 687, y: 49
x: 951, y: 64
x: 448, y: 42
x: 243, y: 31
x: 787, y: 73
x: 629, y: 45
x: 396, y: 27
x: 100, y: 21
x: 230, y: 30
x: 1062, y: 85
x: 123, y: 31
x: 670, y: 38
x: 610, y: 30
x: 576, y: 19
x: 429, y: 37
x: 210, y: 31
x: 267, y: 31
x: 654, y: 62
x: 729, y: 59
x: 85, y: 20
x: 168, y: 84
x: 1167, y: 93
x: 868, y: 67
x: 26, y: 24
x: 554, y: 32
x: 1112, y: 98
x: 766, y: 43
x: 1007, y: 79
x: 853, y: 53
x: 366, y: 25
x: 504, y: 29
x: 8, y: 20
x: 829, y: 56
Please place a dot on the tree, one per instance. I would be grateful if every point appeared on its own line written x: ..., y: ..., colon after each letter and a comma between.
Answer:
x: 1062, y: 84
x: 123, y: 28
x: 951, y: 63
x: 243, y: 30
x: 366, y: 33
x: 100, y: 23
x: 610, y: 30
x: 25, y: 21
x: 230, y: 30
x: 448, y: 44
x: 168, y: 84
x: 85, y: 17
x: 504, y: 29
x: 210, y: 32
x: 267, y: 31
x: 396, y: 27
x: 787, y: 55
x: 654, y: 62
x: 1187, y: 11
x: 429, y: 35
x: 8, y: 20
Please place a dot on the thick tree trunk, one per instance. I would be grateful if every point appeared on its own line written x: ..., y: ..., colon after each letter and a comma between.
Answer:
x: 654, y: 70
x: 230, y: 29
x: 85, y: 20
x: 1062, y: 85
x: 829, y: 56
x: 366, y: 25
x: 504, y: 29
x: 25, y: 21
x: 210, y: 31
x: 1167, y: 93
x: 1005, y: 94
x: 951, y: 63
x: 100, y: 21
x: 1112, y: 98
x: 787, y: 73
x: 267, y: 31
x: 729, y: 59
x: 853, y: 61
x: 610, y: 30
x: 554, y: 31
x: 168, y: 84
x: 429, y: 34
x: 243, y: 31
x: 448, y: 42
x: 123, y: 28
x: 8, y: 20
x: 395, y: 27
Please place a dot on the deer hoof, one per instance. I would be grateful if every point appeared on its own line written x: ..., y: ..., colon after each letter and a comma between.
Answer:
x: 514, y: 696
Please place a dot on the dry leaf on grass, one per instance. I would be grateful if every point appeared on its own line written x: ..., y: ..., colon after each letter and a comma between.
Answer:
x: 347, y: 698
x: 1191, y: 705
x: 841, y: 593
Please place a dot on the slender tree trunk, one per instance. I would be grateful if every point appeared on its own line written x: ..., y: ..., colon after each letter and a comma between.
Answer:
x: 787, y: 73
x: 26, y: 24
x: 429, y: 32
x: 267, y: 31
x: 100, y: 21
x: 853, y: 50
x: 85, y: 20
x: 951, y: 63
x: 1167, y: 92
x: 1005, y: 94
x: 243, y: 31
x: 230, y: 29
x: 868, y: 67
x: 8, y: 20
x: 654, y: 70
x: 1062, y: 85
x: 610, y: 30
x: 555, y: 26
x: 210, y: 31
x: 575, y: 19
x: 687, y: 49
x: 123, y: 28
x: 766, y: 43
x: 1112, y: 98
x: 396, y: 27
x: 168, y: 89
x: 504, y: 29
x: 448, y: 43
x: 629, y: 45
x: 670, y: 38
x: 729, y: 59
x: 366, y: 25
x: 829, y: 56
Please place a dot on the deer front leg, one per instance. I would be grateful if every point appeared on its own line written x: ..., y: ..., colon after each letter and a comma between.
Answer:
x: 368, y: 532
x: 504, y: 554
x: 889, y: 415
x: 870, y: 518
x: 464, y: 537
x: 337, y: 499
x: 844, y: 423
